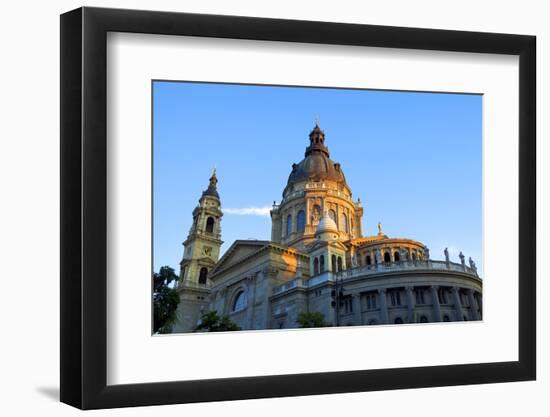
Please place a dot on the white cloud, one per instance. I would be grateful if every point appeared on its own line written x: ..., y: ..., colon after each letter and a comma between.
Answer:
x: 248, y: 211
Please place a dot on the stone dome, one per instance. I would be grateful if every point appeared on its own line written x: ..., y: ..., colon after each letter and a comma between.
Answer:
x: 317, y: 165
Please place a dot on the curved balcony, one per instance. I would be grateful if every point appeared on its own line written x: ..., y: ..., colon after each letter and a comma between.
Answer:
x: 400, y: 266
x: 365, y: 271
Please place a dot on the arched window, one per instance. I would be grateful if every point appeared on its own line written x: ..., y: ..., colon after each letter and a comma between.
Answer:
x: 423, y: 319
x: 446, y: 318
x: 396, y: 257
x: 316, y: 266
x: 333, y: 263
x: 398, y: 320
x: 203, y: 275
x: 372, y: 322
x: 301, y: 221
x: 239, y: 303
x: 465, y: 318
x: 368, y: 260
x: 332, y: 215
x: 183, y: 271
x: 288, y: 225
x: 387, y: 257
x: 210, y: 225
x: 321, y: 264
x: 344, y: 222
x: 414, y: 256
x: 339, y: 264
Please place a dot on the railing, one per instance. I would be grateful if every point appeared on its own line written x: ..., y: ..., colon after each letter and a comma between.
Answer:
x: 303, y: 283
x: 373, y: 270
x: 295, y: 283
x: 405, y: 266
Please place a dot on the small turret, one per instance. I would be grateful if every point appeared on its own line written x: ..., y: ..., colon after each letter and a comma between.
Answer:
x: 326, y: 229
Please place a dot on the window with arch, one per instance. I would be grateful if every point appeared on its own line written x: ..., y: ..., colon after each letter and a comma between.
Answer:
x: 414, y: 256
x: 333, y: 263
x: 210, y: 225
x: 368, y: 260
x: 396, y: 257
x: 340, y: 268
x: 203, y: 275
x: 387, y: 257
x: 344, y: 222
x: 321, y: 264
x: 239, y: 303
x: 398, y: 320
x: 288, y: 225
x: 372, y: 322
x: 446, y: 318
x: 332, y: 215
x: 423, y: 319
x: 316, y: 266
x: 465, y: 318
x: 301, y: 221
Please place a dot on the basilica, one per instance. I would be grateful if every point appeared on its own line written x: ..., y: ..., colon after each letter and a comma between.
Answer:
x: 318, y: 260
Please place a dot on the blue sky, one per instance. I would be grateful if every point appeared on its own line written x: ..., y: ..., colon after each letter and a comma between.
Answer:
x: 414, y: 159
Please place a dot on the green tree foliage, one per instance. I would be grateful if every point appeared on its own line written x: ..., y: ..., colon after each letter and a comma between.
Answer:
x: 311, y: 319
x: 165, y: 300
x: 211, y: 322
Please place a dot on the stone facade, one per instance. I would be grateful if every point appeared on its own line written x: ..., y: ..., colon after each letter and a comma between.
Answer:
x: 318, y: 261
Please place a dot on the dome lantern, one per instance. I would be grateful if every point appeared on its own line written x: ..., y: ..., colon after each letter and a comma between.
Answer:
x: 212, y: 186
x: 317, y: 165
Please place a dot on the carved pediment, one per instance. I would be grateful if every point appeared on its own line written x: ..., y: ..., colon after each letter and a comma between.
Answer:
x: 239, y: 250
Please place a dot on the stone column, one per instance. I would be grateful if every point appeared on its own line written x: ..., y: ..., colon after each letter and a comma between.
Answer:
x: 309, y: 201
x: 265, y: 278
x: 294, y: 227
x: 356, y: 305
x: 251, y: 295
x: 224, y: 306
x: 383, y: 306
x: 435, y: 303
x: 410, y: 304
x: 473, y: 305
x: 458, y: 305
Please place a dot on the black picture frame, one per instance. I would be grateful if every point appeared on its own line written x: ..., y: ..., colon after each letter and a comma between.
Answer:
x: 84, y: 207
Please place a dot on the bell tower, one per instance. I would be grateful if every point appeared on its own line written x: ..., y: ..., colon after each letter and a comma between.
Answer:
x: 202, y: 246
x: 201, y: 252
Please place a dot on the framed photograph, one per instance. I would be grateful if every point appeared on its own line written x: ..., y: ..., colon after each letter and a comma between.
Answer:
x: 258, y: 208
